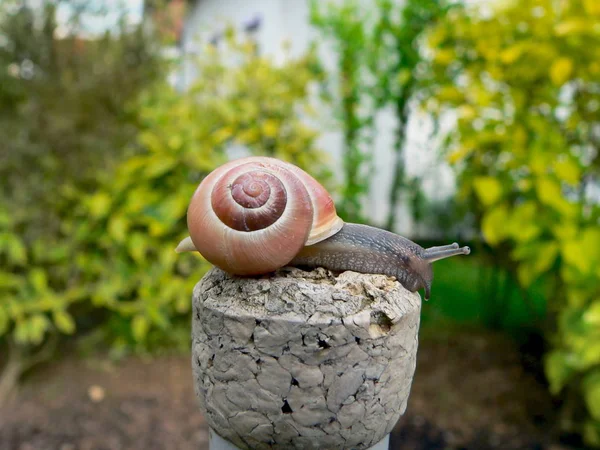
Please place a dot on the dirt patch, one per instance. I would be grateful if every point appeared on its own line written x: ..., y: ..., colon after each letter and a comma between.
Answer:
x: 471, y: 391
x: 76, y: 405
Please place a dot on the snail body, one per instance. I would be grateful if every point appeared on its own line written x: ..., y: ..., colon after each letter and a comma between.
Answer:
x: 254, y: 215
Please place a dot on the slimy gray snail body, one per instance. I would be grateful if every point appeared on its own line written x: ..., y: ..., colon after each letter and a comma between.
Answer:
x: 254, y: 215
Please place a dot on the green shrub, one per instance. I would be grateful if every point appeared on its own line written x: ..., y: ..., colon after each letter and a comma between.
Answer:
x: 88, y: 236
x: 127, y: 231
x: 522, y: 80
x: 66, y: 114
x: 379, y: 52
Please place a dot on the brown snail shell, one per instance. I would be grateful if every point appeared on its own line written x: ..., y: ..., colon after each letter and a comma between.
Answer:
x: 253, y: 215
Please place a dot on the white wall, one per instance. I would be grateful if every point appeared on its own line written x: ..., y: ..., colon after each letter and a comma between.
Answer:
x: 288, y: 20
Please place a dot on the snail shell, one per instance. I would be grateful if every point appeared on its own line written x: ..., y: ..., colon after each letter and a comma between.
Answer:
x: 253, y: 215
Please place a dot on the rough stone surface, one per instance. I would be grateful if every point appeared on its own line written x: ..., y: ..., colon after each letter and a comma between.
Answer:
x: 303, y: 360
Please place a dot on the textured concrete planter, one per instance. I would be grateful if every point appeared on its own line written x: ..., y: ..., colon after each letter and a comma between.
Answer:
x: 303, y: 360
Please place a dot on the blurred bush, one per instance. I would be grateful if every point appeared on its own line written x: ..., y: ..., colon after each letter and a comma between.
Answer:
x: 67, y: 111
x: 103, y: 156
x: 127, y: 231
x: 379, y: 51
x: 522, y: 80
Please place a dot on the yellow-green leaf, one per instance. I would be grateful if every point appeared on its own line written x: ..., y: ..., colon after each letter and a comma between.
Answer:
x: 546, y: 256
x: 572, y: 26
x: 270, y: 128
x: 3, y: 321
x: 558, y: 370
x: 444, y: 56
x: 99, y: 204
x: 117, y: 228
x: 590, y: 351
x: 151, y: 141
x: 16, y: 251
x: 10, y: 280
x: 523, y: 227
x: 139, y: 327
x: 568, y: 171
x: 583, y: 251
x: 548, y: 190
x: 460, y: 154
x: 137, y: 245
x: 64, y: 322
x: 561, y: 71
x: 592, y: 7
x: 37, y: 277
x: 38, y: 325
x: 592, y: 314
x: 591, y: 393
x: 158, y: 166
x: 565, y: 231
x: 488, y: 189
x: 494, y: 224
x: 511, y: 54
x: 222, y: 134
x: 21, y: 332
x: 571, y: 252
x: 591, y: 433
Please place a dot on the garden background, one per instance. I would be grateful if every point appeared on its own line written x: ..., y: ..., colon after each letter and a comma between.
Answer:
x: 101, y: 152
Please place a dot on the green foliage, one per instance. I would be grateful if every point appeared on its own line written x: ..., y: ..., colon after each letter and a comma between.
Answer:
x: 65, y: 105
x: 65, y: 115
x: 379, y: 52
x: 345, y: 26
x: 31, y: 305
x: 395, y: 60
x: 102, y: 158
x: 128, y: 229
x: 527, y: 104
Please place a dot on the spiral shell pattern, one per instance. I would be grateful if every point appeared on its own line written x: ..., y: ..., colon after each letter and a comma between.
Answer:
x: 253, y: 215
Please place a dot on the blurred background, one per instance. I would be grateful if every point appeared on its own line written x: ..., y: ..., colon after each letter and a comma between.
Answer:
x: 469, y: 121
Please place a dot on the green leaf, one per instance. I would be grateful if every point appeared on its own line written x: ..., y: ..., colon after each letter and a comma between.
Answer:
x: 159, y: 165
x: 522, y: 226
x: 17, y: 253
x: 117, y: 228
x: 568, y: 171
x: 32, y: 330
x: 591, y: 393
x: 561, y: 71
x: 21, y: 332
x: 592, y: 7
x: 38, y: 279
x: 10, y: 281
x: 99, y: 204
x: 493, y: 224
x: 591, y: 433
x: 548, y: 190
x: 137, y: 245
x: 64, y: 322
x: 583, y: 251
x: 592, y: 314
x: 4, y: 320
x: 590, y: 351
x: 139, y: 327
x: 558, y: 369
x: 39, y: 324
x: 546, y: 256
x: 488, y: 189
x: 526, y: 273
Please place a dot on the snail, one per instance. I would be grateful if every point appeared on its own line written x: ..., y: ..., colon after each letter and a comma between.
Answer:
x: 255, y: 215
